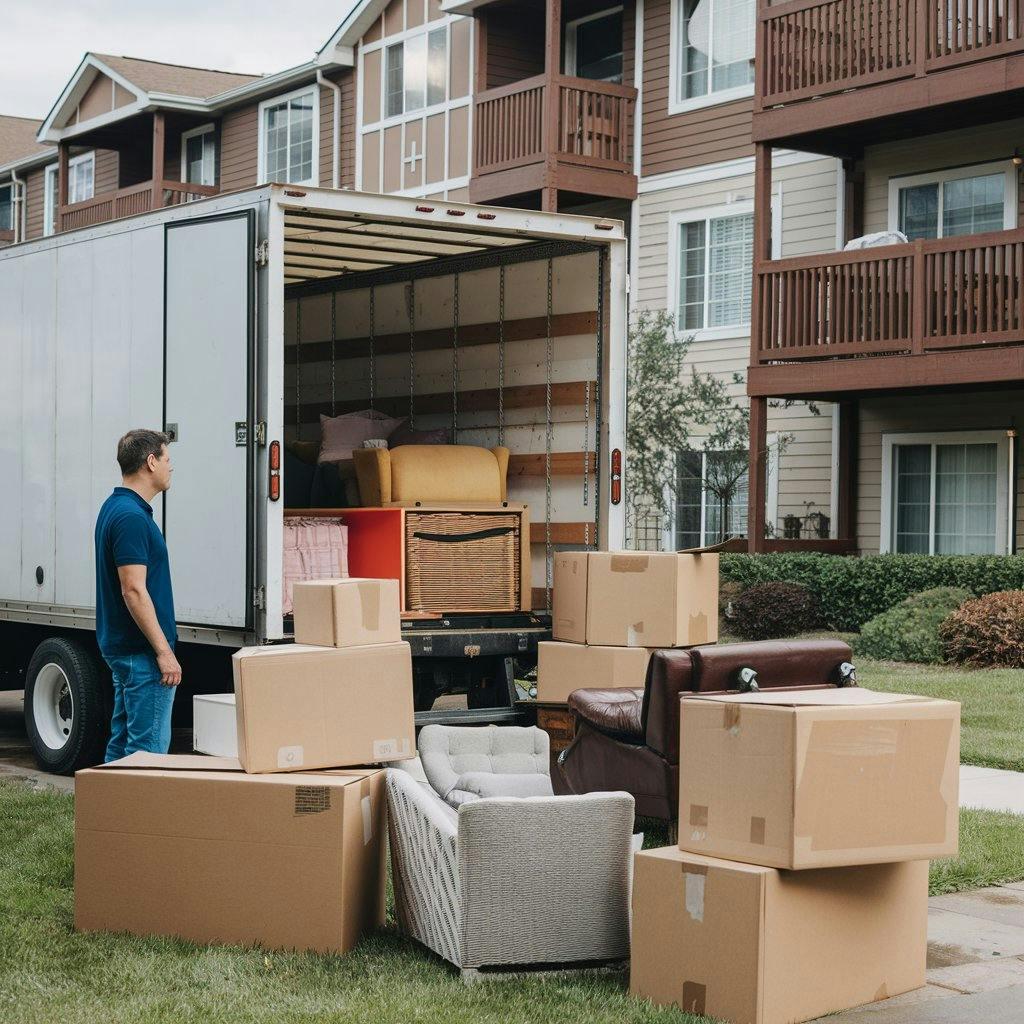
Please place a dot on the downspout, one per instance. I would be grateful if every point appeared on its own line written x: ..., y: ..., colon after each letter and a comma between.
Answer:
x: 19, y: 218
x: 1011, y: 496
x: 335, y: 126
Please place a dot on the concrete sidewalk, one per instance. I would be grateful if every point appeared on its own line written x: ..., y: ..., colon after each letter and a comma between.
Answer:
x: 991, y: 789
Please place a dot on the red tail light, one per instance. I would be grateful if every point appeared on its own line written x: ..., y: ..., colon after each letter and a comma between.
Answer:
x: 275, y: 470
x: 616, y: 476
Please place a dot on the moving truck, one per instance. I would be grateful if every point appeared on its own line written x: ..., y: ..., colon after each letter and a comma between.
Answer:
x: 233, y: 323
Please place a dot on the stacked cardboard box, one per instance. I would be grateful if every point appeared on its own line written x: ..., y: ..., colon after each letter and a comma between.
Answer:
x: 800, y: 883
x: 294, y: 818
x: 611, y: 609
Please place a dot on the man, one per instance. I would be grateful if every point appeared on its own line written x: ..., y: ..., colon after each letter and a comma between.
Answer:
x: 134, y: 606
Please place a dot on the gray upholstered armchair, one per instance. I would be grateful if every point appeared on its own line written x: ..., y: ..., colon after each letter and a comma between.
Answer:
x: 506, y: 881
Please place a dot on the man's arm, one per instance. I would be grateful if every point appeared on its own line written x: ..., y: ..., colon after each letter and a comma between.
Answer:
x: 140, y: 606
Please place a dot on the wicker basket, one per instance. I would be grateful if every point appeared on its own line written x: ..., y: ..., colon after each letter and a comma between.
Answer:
x: 463, y: 561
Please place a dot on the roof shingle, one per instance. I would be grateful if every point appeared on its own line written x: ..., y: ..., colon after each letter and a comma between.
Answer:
x: 176, y: 79
x: 18, y: 139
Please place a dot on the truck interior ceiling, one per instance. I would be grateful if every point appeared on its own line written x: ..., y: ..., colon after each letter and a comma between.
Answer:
x: 444, y: 334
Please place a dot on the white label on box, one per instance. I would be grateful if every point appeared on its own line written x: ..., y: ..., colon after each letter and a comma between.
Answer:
x: 389, y: 750
x: 289, y: 757
x: 367, y: 819
x: 695, y: 895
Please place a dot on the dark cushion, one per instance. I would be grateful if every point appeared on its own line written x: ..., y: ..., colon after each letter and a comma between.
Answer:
x: 615, y: 712
x: 785, y: 663
x: 329, y: 488
x: 669, y: 673
x: 404, y: 434
x: 298, y: 481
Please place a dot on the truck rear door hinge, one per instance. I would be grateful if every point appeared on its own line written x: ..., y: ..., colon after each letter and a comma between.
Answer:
x: 263, y: 253
x: 259, y: 598
x: 260, y: 433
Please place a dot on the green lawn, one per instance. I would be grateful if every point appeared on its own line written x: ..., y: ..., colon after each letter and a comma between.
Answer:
x: 51, y: 975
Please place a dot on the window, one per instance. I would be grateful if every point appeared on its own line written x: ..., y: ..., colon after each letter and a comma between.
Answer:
x: 967, y: 201
x: 416, y: 73
x: 714, y: 271
x: 199, y: 156
x: 699, y: 509
x: 945, y: 494
x: 593, y: 46
x: 290, y: 138
x: 81, y: 174
x: 49, y: 199
x: 6, y: 207
x: 713, y: 42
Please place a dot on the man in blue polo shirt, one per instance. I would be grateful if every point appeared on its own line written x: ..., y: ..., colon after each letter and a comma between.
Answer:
x: 134, y: 606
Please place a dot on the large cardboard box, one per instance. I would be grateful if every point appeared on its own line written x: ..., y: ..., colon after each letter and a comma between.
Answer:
x: 347, y: 612
x: 635, y: 599
x: 302, y: 707
x: 193, y: 847
x: 753, y: 945
x: 214, y: 725
x: 819, y: 778
x: 562, y: 668
x: 569, y: 596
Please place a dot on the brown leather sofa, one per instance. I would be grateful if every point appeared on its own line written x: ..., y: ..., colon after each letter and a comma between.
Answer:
x: 629, y: 739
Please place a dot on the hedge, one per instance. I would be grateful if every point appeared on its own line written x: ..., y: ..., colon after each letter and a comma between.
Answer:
x: 852, y: 590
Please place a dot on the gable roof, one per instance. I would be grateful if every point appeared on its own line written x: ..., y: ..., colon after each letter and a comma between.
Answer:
x: 361, y: 15
x: 18, y: 140
x: 153, y: 76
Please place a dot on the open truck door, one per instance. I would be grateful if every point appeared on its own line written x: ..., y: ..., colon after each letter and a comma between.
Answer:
x: 209, y: 373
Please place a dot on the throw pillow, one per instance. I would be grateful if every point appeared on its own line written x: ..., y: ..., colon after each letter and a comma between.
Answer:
x: 340, y: 434
x: 404, y: 434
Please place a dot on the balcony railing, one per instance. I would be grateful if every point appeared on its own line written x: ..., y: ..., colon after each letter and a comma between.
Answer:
x: 913, y: 298
x: 127, y: 202
x: 589, y: 124
x: 809, y: 48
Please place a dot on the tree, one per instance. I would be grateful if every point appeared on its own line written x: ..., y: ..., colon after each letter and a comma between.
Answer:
x: 668, y: 412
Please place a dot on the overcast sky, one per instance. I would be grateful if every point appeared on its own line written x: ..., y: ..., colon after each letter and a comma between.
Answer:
x: 42, y: 41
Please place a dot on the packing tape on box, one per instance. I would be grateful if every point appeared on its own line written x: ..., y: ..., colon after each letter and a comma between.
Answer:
x: 366, y: 807
x: 698, y: 629
x: 694, y: 998
x: 629, y: 563
x: 290, y: 757
x: 694, y: 881
x: 369, y: 604
x: 391, y: 749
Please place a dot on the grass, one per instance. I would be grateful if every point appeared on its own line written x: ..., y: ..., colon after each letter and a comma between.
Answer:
x: 50, y: 973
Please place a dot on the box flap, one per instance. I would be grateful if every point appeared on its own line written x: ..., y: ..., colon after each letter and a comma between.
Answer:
x: 848, y: 696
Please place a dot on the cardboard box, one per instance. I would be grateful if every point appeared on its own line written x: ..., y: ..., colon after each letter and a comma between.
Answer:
x: 347, y: 612
x: 635, y: 599
x: 569, y: 596
x: 753, y: 945
x: 214, y: 725
x: 193, y: 847
x: 819, y: 778
x: 562, y: 668
x: 303, y: 707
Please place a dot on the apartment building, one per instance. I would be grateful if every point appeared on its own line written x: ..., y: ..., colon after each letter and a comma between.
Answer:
x: 918, y: 343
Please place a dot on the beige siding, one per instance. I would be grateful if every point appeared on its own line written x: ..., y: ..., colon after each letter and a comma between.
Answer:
x: 105, y: 172
x: 35, y: 203
x: 101, y: 97
x: 238, y: 148
x: 984, y: 144
x: 922, y: 414
x: 808, y: 206
x: 674, y: 141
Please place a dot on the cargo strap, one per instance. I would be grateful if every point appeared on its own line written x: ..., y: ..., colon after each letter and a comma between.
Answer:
x: 412, y: 352
x: 373, y: 304
x: 548, y: 438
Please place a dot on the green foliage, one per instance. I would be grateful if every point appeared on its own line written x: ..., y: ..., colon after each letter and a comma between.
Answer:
x: 766, y: 611
x: 853, y: 590
x: 910, y: 630
x: 987, y: 631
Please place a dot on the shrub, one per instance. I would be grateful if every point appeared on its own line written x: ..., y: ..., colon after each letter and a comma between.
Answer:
x: 910, y: 631
x: 987, y: 631
x: 853, y: 590
x: 769, y: 610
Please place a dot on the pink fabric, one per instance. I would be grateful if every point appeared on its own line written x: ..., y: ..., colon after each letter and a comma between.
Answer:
x: 315, y: 548
x: 340, y: 434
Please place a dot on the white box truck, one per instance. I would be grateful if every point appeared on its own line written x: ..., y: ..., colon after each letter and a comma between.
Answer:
x: 232, y: 323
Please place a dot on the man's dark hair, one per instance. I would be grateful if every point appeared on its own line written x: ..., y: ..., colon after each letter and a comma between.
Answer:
x: 135, y: 448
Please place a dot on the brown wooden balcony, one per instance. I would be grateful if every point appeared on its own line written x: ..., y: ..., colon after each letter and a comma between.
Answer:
x: 826, y: 65
x: 553, y: 132
x: 126, y: 202
x: 937, y: 313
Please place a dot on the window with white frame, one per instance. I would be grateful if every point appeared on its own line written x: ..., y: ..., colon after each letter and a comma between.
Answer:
x: 416, y: 72
x: 963, y: 201
x: 714, y: 270
x: 81, y: 178
x: 593, y: 46
x: 710, y: 488
x: 6, y: 207
x: 945, y: 494
x: 199, y: 156
x: 713, y: 50
x: 50, y: 199
x: 289, y: 138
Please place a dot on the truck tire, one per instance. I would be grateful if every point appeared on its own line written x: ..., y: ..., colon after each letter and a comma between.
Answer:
x: 66, y: 706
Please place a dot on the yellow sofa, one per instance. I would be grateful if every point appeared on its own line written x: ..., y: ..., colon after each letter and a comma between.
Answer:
x: 431, y: 473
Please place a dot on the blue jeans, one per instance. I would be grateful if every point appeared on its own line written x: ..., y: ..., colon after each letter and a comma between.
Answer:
x: 142, y: 707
